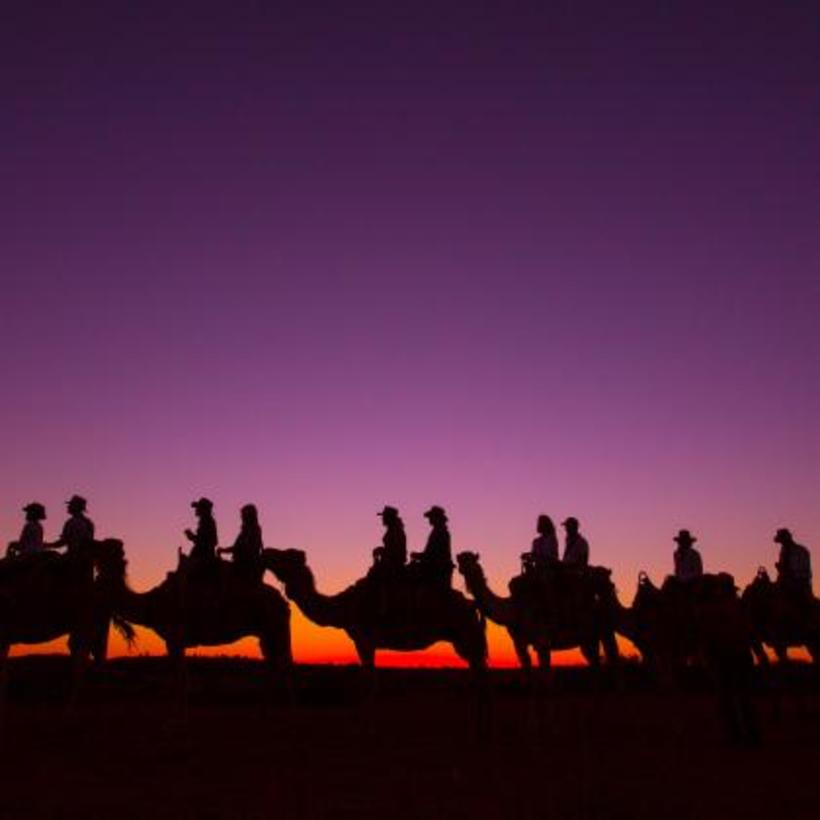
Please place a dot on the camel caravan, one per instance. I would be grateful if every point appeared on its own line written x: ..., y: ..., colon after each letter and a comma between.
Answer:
x: 77, y: 586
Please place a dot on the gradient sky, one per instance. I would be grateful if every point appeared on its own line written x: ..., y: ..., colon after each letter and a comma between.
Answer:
x: 508, y: 258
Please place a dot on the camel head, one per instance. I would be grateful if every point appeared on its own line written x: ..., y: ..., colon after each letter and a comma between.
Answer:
x: 109, y: 559
x: 111, y: 564
x: 761, y: 586
x: 470, y: 567
x: 289, y: 566
x: 647, y: 593
x: 468, y: 563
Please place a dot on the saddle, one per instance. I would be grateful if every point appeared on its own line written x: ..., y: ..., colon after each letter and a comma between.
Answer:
x: 215, y: 579
x: 16, y: 567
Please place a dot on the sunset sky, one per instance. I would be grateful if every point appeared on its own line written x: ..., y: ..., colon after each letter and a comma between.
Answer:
x: 509, y: 258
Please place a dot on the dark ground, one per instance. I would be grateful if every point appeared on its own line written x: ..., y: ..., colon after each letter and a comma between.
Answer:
x: 581, y: 751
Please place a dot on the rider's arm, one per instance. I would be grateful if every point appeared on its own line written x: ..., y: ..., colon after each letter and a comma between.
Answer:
x: 60, y: 542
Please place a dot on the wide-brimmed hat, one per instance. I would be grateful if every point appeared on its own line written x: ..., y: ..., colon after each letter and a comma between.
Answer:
x: 203, y: 504
x: 388, y: 512
x: 436, y: 512
x: 685, y: 537
x: 36, y: 508
x: 77, y: 501
x: 782, y: 535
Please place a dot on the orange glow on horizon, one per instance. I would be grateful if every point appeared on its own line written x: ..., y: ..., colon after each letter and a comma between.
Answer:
x: 321, y: 645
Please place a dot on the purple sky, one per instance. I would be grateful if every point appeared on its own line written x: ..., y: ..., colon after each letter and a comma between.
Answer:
x: 503, y: 258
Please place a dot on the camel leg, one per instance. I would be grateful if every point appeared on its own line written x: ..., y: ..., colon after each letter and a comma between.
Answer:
x: 4, y: 679
x: 80, y: 654
x: 733, y: 673
x: 368, y: 682
x: 813, y: 649
x: 367, y: 659
x: 99, y: 650
x: 539, y: 681
x: 179, y: 674
x: 279, y: 662
x: 472, y: 648
x: 613, y: 659
x: 781, y: 678
x: 546, y: 675
x: 522, y: 652
x: 760, y: 654
x: 611, y: 651
x: 592, y: 654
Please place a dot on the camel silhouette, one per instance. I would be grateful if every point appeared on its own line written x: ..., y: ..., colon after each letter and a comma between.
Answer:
x: 661, y: 630
x: 49, y: 595
x: 706, y: 624
x: 539, y: 624
x: 674, y: 625
x: 778, y: 621
x: 409, y: 616
x: 187, y: 612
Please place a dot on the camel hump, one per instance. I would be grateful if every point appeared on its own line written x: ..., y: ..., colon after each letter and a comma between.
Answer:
x: 22, y: 566
x: 207, y: 575
x: 520, y: 584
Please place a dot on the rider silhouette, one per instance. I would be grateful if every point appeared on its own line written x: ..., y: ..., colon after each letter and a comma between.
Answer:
x: 793, y: 566
x: 78, y: 532
x: 31, y: 537
x: 392, y: 554
x: 77, y: 537
x: 205, y: 539
x: 688, y: 563
x: 544, y: 550
x: 247, y: 549
x: 576, y: 548
x: 435, y: 561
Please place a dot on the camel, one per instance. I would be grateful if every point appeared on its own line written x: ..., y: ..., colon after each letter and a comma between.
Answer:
x: 673, y: 626
x: 543, y: 628
x: 661, y: 632
x: 410, y: 616
x: 776, y: 620
x: 210, y: 611
x: 49, y: 595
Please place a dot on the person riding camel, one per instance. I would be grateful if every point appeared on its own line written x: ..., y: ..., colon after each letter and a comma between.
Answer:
x: 247, y: 548
x: 576, y: 547
x: 78, y: 532
x: 793, y: 567
x: 544, y: 550
x: 391, y: 556
x: 77, y: 536
x: 205, y: 539
x: 31, y: 538
x: 435, y: 561
x: 688, y: 563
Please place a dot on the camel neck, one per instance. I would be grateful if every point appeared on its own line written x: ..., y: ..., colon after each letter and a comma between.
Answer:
x: 495, y: 607
x: 324, y: 610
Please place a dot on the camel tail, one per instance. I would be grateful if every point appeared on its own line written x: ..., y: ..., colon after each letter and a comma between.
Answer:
x: 125, y: 630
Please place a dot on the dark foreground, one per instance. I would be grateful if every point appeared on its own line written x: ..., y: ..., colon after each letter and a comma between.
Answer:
x: 626, y: 750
